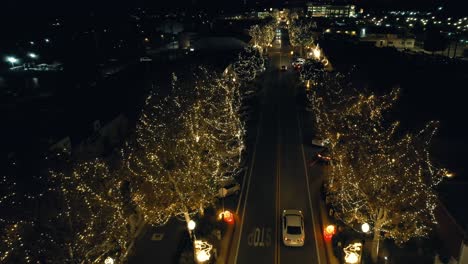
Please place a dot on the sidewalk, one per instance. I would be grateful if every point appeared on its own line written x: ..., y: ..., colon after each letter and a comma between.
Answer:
x: 225, y: 245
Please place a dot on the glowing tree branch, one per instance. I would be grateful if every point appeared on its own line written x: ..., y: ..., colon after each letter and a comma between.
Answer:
x: 379, y: 177
x: 249, y: 64
x: 262, y: 34
x: 93, y: 212
x: 301, y: 33
x: 180, y: 147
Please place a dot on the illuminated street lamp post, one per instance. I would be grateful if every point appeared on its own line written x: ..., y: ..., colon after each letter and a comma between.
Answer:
x: 191, y: 226
x: 33, y: 55
x: 12, y: 60
x: 365, y: 227
x: 109, y: 260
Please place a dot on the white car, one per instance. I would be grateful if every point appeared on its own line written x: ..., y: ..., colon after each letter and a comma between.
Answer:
x: 230, y: 187
x: 321, y: 142
x: 293, y: 228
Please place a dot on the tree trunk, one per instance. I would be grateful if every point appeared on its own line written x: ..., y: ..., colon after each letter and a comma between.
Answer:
x: 375, y: 246
x: 381, y: 216
x: 201, y: 210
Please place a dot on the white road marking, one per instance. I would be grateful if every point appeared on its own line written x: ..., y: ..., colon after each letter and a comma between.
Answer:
x: 308, y: 189
x: 248, y: 187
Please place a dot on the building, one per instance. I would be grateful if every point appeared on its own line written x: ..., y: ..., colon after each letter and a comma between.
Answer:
x: 388, y: 40
x: 328, y: 10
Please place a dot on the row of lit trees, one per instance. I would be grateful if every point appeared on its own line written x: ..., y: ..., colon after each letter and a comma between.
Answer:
x: 88, y: 210
x: 184, y: 144
x: 262, y: 34
x: 301, y: 33
x: 381, y: 174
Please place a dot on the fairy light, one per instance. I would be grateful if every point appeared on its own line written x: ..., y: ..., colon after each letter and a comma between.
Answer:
x: 301, y: 32
x: 93, y: 206
x: 382, y: 175
x: 249, y: 64
x: 262, y: 35
x: 185, y: 142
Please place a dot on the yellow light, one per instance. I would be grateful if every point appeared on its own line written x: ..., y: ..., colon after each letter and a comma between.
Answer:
x: 191, y: 225
x: 449, y: 175
x: 109, y: 260
x: 352, y: 253
x: 202, y: 256
x: 330, y: 229
x: 352, y: 258
x: 292, y: 52
x: 365, y: 227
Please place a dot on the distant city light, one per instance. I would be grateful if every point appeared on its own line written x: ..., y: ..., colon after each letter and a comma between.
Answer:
x: 32, y: 55
x: 31, y: 42
x: 47, y: 40
x: 12, y: 60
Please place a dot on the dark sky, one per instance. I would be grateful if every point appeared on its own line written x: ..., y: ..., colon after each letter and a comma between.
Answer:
x: 31, y: 8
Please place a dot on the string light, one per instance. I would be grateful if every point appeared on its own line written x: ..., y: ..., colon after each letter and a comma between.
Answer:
x: 381, y: 175
x: 184, y: 144
x: 301, y: 32
x: 249, y: 64
x: 263, y: 34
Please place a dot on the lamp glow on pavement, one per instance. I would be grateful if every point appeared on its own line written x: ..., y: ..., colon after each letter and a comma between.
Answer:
x: 352, y: 253
x: 202, y: 250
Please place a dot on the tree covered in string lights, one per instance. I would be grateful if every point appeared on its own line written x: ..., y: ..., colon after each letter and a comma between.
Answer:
x: 249, y: 64
x: 21, y: 220
x: 184, y: 143
x: 262, y: 34
x: 301, y: 33
x: 381, y: 175
x: 92, y: 212
x: 311, y: 71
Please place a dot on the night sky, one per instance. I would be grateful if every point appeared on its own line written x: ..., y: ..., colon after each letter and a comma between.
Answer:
x: 29, y: 7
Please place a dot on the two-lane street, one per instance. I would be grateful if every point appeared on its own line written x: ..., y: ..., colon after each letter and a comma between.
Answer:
x: 277, y: 178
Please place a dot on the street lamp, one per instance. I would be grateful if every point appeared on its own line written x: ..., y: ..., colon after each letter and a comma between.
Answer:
x: 33, y: 55
x: 202, y: 250
x: 365, y: 227
x: 12, y: 60
x: 191, y: 225
x: 109, y: 260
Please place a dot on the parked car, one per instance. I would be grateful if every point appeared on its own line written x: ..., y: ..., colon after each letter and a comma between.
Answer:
x: 229, y: 187
x: 323, y: 143
x: 324, y: 156
x: 293, y: 228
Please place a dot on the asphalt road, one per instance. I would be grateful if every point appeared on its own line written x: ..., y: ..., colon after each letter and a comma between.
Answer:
x: 277, y: 177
